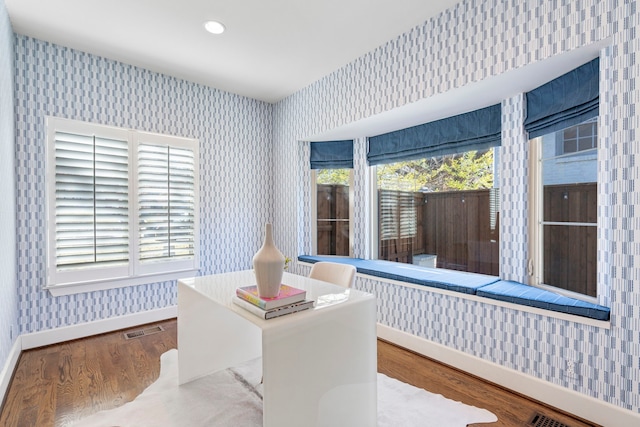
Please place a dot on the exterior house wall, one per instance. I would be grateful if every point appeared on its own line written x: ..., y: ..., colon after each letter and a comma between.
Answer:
x: 569, y: 169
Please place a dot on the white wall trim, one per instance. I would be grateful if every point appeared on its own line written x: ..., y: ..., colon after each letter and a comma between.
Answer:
x: 570, y: 401
x: 67, y: 333
x: 9, y: 367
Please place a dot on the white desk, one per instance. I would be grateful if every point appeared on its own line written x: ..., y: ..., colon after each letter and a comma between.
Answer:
x: 319, y: 365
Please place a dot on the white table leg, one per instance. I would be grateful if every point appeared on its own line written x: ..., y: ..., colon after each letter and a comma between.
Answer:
x: 211, y: 337
x: 322, y: 371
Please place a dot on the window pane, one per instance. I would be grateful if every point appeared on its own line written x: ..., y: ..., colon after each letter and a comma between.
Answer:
x: 569, y: 211
x: 570, y: 258
x: 440, y: 212
x: 585, y: 130
x: 571, y: 133
x: 577, y: 138
x: 571, y: 202
x: 585, y: 143
x: 332, y: 186
x: 569, y: 146
x: 569, y: 182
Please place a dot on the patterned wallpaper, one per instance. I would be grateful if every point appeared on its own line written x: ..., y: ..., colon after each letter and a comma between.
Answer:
x: 472, y: 41
x: 8, y: 288
x: 235, y: 168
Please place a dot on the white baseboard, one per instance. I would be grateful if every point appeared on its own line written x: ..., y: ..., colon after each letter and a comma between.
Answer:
x: 589, y: 408
x: 10, y: 365
x: 67, y: 333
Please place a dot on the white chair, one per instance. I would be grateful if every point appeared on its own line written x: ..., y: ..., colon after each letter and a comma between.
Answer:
x: 333, y: 272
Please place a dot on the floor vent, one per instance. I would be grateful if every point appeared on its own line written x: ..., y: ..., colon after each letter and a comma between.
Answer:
x: 143, y: 332
x: 539, y: 420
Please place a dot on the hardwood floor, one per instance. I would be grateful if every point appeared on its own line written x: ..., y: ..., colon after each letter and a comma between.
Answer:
x: 61, y: 383
x: 58, y: 384
x: 510, y: 408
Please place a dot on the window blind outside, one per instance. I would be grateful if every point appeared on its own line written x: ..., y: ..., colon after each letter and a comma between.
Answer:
x: 91, y: 196
x: 397, y: 215
x: 166, y: 202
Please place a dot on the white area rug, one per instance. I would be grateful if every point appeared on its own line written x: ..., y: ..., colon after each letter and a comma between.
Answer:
x: 231, y: 399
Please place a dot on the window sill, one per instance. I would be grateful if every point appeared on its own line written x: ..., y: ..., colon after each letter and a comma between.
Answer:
x: 482, y: 286
x: 84, y: 287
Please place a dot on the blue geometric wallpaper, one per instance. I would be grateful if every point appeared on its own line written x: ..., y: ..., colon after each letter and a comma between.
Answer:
x: 470, y: 42
x: 234, y: 134
x: 8, y: 287
x: 254, y: 169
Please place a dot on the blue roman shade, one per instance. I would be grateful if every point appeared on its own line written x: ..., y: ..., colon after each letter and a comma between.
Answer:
x: 475, y: 130
x: 332, y: 155
x: 563, y: 102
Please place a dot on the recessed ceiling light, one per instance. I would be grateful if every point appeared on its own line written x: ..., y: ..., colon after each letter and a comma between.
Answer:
x: 214, y: 27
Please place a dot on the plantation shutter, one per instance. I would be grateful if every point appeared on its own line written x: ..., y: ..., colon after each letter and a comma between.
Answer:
x: 166, y: 199
x: 91, y: 194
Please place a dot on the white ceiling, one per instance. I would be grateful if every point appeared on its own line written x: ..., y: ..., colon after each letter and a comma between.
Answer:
x: 271, y: 49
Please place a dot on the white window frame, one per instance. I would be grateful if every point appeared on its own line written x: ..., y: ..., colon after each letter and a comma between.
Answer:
x: 560, y: 140
x: 135, y: 272
x: 314, y: 212
x: 535, y: 265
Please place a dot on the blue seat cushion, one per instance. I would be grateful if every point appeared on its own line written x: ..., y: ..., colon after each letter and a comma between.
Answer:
x: 451, y: 280
x: 518, y: 293
x: 471, y: 283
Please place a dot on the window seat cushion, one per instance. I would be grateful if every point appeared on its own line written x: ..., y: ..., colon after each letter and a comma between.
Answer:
x: 457, y: 281
x: 471, y: 283
x: 518, y: 293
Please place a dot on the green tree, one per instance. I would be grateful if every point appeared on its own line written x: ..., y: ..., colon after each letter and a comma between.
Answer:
x: 333, y: 176
x: 470, y: 171
x: 467, y: 171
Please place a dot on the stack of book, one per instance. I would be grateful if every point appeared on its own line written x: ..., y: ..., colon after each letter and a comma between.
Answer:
x: 289, y: 300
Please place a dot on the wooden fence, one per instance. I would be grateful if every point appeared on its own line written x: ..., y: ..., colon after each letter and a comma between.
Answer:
x: 462, y: 229
x: 458, y: 227
x: 333, y: 220
x: 570, y: 252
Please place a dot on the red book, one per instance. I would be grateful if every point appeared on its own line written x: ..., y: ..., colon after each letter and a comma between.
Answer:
x: 288, y: 295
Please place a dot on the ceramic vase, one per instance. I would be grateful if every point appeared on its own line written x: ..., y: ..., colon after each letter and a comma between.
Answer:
x: 268, y: 266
